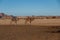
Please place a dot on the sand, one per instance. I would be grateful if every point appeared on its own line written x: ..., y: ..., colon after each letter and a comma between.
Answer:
x: 40, y: 22
x: 27, y: 32
x: 39, y: 29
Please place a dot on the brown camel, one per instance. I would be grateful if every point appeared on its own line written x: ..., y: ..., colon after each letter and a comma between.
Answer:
x: 14, y: 19
x: 29, y: 19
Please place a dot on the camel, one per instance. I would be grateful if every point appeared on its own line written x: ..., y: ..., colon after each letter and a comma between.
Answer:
x: 29, y: 19
x: 14, y: 19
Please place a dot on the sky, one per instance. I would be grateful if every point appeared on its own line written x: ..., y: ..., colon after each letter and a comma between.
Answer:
x: 30, y: 7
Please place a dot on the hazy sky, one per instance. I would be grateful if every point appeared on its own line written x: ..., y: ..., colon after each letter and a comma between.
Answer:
x: 30, y: 7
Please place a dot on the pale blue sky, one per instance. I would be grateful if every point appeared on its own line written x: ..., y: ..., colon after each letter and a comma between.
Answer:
x: 30, y: 7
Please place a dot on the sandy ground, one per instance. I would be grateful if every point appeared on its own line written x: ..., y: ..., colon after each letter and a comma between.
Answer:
x: 41, y: 22
x: 27, y: 32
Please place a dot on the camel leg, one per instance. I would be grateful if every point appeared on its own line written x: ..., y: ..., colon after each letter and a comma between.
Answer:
x: 16, y: 22
x: 10, y: 22
x: 25, y: 22
x: 30, y: 22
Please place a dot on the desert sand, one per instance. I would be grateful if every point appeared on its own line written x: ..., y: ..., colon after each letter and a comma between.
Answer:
x: 27, y: 32
x: 41, y: 22
x: 39, y: 29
